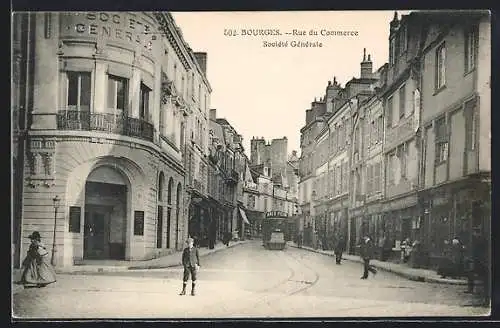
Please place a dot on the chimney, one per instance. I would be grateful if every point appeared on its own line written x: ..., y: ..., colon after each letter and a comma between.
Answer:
x: 213, y: 114
x: 366, y: 66
x: 201, y: 58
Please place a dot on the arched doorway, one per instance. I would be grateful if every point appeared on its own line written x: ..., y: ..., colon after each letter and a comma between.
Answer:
x: 105, y: 225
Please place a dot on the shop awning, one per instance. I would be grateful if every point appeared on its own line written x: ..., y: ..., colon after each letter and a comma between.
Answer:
x: 243, y: 215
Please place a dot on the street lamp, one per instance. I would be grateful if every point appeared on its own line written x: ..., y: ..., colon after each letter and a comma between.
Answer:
x: 56, y: 201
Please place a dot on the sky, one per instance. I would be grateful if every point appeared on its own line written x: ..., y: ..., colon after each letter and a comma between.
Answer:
x: 264, y: 91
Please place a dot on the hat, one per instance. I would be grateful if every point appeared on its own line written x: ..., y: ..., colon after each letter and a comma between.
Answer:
x: 35, y: 235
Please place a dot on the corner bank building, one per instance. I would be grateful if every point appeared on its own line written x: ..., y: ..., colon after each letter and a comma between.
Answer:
x: 101, y: 104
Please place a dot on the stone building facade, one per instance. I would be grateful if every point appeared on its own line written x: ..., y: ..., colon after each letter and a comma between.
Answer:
x: 455, y: 189
x: 419, y: 152
x: 228, y: 164
x: 108, y: 102
x: 272, y: 154
x: 401, y: 148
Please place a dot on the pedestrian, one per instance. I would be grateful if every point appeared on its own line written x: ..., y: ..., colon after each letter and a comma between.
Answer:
x: 445, y: 267
x: 457, y: 258
x: 191, y: 263
x: 339, y: 249
x: 212, y: 235
x: 366, y: 249
x: 227, y: 238
x: 480, y: 265
x: 405, y: 250
x: 300, y: 240
x: 37, y: 270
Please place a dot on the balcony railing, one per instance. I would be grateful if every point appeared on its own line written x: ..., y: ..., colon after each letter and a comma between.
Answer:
x: 105, y: 122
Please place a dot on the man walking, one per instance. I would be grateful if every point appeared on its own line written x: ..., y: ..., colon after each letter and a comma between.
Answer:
x: 339, y: 249
x: 366, y: 249
x: 480, y: 267
x: 191, y: 263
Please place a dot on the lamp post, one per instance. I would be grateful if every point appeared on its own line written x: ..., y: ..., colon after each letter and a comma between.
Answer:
x: 56, y: 201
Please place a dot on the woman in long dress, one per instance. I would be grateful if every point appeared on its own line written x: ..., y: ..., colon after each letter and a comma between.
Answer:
x: 37, y: 270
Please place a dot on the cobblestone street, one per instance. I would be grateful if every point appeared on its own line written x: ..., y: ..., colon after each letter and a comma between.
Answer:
x: 244, y: 281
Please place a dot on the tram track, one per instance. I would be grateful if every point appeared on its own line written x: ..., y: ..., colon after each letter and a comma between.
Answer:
x: 309, y: 283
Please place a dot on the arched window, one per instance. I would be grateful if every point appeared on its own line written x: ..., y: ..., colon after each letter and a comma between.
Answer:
x: 169, y: 191
x: 161, y: 185
x: 178, y: 196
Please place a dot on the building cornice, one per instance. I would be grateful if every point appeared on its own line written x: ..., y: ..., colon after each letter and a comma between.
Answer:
x: 171, y: 31
x: 132, y: 143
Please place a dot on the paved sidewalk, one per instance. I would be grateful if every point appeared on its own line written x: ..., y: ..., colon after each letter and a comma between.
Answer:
x: 399, y: 269
x: 170, y: 260
x: 175, y: 259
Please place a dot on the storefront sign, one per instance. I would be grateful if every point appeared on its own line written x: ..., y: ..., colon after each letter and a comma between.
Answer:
x: 373, y: 209
x: 276, y: 214
x: 120, y: 27
x: 439, y: 200
x: 400, y: 203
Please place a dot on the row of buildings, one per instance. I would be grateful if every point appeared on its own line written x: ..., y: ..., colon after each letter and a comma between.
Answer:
x: 116, y: 152
x: 403, y: 151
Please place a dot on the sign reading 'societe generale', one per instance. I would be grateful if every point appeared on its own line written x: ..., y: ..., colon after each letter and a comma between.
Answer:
x: 121, y: 27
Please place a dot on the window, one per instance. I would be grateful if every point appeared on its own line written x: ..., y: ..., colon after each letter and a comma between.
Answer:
x: 369, y: 179
x: 335, y: 140
x: 117, y: 93
x: 380, y: 129
x: 470, y: 125
x: 79, y: 91
x: 390, y: 169
x: 377, y: 177
x: 183, y: 86
x: 441, y: 140
x: 442, y: 152
x: 357, y: 141
x: 359, y: 191
x: 339, y: 180
x: 144, y: 102
x: 392, y: 49
x: 192, y: 84
x: 404, y: 39
x: 402, y: 101
x: 440, y: 66
x: 175, y: 75
x: 470, y: 48
x: 403, y: 159
x: 397, y: 49
x: 388, y: 112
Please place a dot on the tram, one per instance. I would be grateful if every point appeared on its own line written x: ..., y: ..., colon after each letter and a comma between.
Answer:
x: 275, y: 230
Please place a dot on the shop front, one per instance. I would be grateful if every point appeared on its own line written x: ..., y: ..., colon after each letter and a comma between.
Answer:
x: 398, y: 222
x: 454, y: 211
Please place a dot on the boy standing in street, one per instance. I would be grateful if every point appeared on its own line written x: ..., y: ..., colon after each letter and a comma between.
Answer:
x: 191, y: 263
x: 366, y: 255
